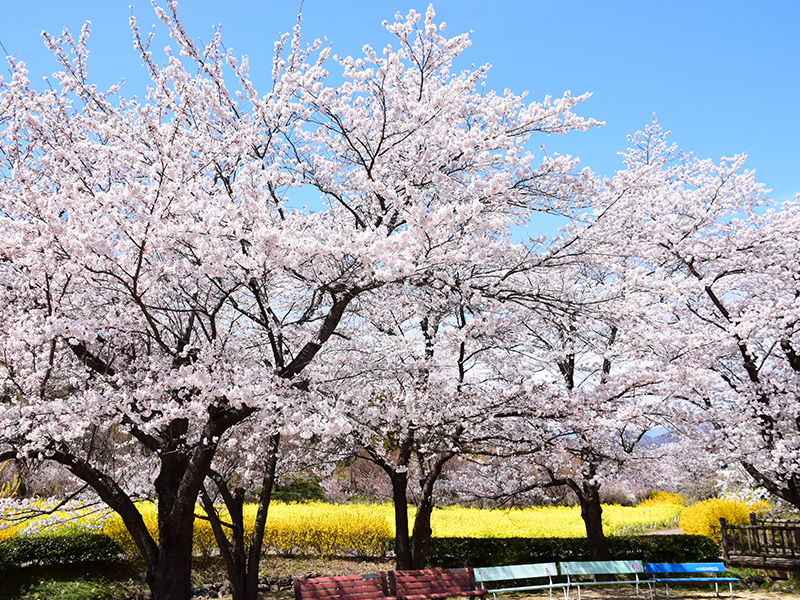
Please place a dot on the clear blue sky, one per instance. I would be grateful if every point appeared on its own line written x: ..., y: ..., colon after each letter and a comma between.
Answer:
x: 723, y: 76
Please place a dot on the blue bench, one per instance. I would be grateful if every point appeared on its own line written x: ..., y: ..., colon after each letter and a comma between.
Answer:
x: 519, y: 573
x: 630, y: 569
x: 667, y: 573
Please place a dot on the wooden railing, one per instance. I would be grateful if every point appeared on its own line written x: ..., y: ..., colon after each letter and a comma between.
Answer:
x: 765, y: 543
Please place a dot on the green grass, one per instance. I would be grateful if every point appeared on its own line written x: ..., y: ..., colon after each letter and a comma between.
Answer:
x: 92, y: 581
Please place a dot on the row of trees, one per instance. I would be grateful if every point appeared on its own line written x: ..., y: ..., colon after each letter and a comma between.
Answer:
x: 168, y: 317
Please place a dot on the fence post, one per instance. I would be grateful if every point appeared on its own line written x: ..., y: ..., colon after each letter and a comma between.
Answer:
x: 753, y: 519
x: 723, y: 535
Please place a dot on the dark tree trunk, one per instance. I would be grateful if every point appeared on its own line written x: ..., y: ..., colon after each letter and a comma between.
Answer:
x: 592, y: 515
x: 171, y: 577
x: 232, y: 552
x: 257, y: 539
x: 398, y: 475
x: 421, y: 539
x: 402, y: 543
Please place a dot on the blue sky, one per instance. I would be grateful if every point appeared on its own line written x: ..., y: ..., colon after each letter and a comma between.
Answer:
x: 723, y: 76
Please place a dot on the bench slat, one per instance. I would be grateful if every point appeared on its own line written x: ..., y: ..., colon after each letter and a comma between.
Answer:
x: 601, y: 567
x: 433, y: 584
x: 716, y: 567
x: 344, y: 587
x: 531, y: 571
x: 706, y: 573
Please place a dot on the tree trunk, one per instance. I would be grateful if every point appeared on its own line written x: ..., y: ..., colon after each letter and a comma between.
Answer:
x: 170, y: 577
x: 421, y: 538
x: 241, y: 564
x: 402, y: 545
x: 592, y: 515
x: 257, y: 538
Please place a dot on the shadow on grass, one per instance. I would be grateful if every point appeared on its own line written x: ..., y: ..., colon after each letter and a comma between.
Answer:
x: 84, y: 581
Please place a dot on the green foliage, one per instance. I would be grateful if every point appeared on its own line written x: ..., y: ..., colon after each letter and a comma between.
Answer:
x: 78, y: 589
x: 488, y: 552
x: 57, y: 549
x: 299, y: 490
x: 113, y: 579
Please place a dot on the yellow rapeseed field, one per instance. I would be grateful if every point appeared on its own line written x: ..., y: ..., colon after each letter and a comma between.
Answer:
x: 549, y: 521
x: 321, y: 529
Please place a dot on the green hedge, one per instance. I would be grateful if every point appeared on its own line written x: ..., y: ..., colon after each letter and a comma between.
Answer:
x: 489, y: 552
x: 57, y: 549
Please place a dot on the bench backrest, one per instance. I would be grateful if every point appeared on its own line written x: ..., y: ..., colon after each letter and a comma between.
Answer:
x: 684, y: 567
x: 430, y: 581
x: 344, y: 587
x: 601, y: 567
x: 515, y: 572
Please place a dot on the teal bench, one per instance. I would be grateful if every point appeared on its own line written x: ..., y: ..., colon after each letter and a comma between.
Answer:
x: 630, y: 569
x: 667, y: 573
x: 519, y: 573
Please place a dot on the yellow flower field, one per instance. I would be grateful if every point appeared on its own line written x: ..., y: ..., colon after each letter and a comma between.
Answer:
x: 549, y: 521
x: 321, y: 529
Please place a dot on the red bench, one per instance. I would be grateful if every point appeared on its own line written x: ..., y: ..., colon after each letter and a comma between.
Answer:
x: 431, y: 584
x: 344, y: 587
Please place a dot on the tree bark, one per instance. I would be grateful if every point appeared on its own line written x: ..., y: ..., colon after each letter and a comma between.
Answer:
x: 241, y: 564
x: 257, y: 539
x: 171, y: 577
x: 592, y: 515
x: 402, y: 543
x: 421, y: 538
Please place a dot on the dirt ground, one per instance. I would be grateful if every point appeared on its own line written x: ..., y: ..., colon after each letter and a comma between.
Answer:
x: 629, y: 593
x: 762, y: 589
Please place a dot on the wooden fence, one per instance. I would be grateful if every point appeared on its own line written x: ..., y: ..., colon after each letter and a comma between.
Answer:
x: 770, y: 544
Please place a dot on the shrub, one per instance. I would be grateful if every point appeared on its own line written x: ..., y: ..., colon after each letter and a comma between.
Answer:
x: 488, y: 552
x: 325, y: 530
x: 57, y: 549
x: 295, y: 529
x: 657, y: 498
x: 114, y: 527
x: 702, y: 518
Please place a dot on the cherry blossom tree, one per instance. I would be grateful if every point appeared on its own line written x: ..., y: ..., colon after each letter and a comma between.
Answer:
x: 153, y: 283
x: 588, y: 420
x: 430, y: 173
x: 156, y: 283
x: 417, y: 395
x: 717, y: 262
x: 593, y: 375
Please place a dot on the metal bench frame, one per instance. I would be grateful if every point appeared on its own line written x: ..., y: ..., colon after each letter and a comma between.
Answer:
x: 484, y: 575
x: 602, y: 567
x: 667, y: 573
